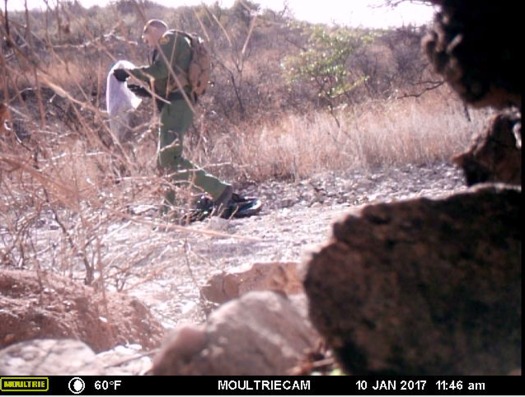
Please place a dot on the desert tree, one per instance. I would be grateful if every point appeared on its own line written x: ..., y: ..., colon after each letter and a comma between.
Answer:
x: 322, y: 63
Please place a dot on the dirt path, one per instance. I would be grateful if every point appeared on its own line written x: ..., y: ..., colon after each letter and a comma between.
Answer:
x: 165, y: 266
x: 170, y: 266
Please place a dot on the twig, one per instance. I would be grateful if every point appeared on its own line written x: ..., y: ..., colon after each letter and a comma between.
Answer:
x: 434, y: 85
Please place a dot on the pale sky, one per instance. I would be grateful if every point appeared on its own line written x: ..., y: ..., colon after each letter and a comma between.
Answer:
x: 364, y: 13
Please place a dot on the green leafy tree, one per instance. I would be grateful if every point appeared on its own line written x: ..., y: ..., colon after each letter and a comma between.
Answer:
x: 322, y: 62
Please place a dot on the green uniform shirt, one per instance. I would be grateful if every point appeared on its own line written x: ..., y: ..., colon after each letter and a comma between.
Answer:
x: 171, y: 59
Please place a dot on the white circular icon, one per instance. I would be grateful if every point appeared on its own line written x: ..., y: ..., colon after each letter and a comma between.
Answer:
x: 76, y: 385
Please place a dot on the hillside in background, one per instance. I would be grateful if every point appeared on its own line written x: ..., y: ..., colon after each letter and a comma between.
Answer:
x: 265, y: 63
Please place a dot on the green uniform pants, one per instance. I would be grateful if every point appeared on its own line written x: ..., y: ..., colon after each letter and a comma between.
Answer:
x: 175, y: 119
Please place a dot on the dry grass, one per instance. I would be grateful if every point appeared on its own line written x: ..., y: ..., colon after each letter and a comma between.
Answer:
x: 84, y: 189
x: 369, y: 135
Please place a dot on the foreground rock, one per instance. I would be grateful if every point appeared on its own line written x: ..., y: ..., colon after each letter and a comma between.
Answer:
x: 275, y: 276
x: 423, y: 286
x: 69, y: 357
x: 49, y: 357
x: 495, y: 155
x: 41, y: 306
x: 261, y: 333
x: 476, y: 45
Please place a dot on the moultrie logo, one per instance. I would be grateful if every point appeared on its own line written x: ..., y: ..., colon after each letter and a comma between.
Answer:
x: 24, y: 384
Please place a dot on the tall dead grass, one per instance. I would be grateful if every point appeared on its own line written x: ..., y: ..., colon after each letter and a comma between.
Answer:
x: 61, y: 199
x: 370, y: 135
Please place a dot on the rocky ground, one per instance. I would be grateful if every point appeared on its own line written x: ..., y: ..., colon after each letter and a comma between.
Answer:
x: 165, y: 266
x: 296, y: 218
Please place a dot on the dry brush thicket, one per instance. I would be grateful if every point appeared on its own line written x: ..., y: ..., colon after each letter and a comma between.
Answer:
x: 60, y: 166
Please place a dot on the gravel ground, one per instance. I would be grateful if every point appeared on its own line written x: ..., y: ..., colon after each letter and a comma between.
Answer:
x: 296, y: 218
x: 165, y: 265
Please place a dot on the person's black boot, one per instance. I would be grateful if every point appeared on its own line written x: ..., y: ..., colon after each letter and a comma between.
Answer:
x: 222, y: 202
x: 202, y: 209
x: 241, y: 207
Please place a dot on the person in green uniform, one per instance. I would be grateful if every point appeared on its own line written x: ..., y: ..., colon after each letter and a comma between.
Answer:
x: 167, y: 77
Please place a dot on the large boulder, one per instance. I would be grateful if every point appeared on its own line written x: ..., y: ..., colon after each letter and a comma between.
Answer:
x: 476, y: 46
x: 44, y: 305
x: 70, y: 357
x: 423, y: 287
x: 495, y: 155
x: 261, y: 333
x: 49, y: 357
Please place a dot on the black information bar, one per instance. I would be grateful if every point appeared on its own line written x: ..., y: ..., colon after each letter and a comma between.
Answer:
x: 263, y: 385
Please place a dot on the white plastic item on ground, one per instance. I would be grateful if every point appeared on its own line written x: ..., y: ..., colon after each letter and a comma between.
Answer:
x: 120, y: 101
